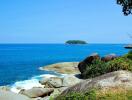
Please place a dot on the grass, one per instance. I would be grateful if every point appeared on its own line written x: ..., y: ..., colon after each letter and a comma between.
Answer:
x: 108, y: 94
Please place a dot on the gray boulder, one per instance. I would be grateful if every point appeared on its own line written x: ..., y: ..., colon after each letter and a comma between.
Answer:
x: 52, y: 82
x: 113, y: 79
x: 6, y: 95
x: 70, y: 80
x: 37, y: 92
x: 43, y: 81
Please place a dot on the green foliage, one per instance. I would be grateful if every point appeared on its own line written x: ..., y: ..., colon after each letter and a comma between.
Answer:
x: 90, y: 95
x: 99, y: 67
x: 127, y: 6
x: 121, y: 63
x: 112, y: 94
x: 129, y: 55
x: 75, y: 42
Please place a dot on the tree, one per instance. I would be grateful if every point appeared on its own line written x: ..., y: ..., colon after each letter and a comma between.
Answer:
x: 126, y: 6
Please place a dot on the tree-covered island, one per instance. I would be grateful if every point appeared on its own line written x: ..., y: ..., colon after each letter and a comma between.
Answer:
x: 76, y: 42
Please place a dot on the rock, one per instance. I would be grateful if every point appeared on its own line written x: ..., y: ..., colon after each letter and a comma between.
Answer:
x: 6, y: 88
x: 128, y: 46
x: 109, y: 57
x: 63, y: 67
x: 113, y: 79
x: 62, y: 89
x: 44, y: 98
x: 82, y: 65
x: 52, y: 82
x: 70, y: 80
x: 7, y: 95
x: 55, y: 93
x: 37, y: 92
x: 43, y: 81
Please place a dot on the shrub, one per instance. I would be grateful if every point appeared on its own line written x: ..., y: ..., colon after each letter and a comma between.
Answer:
x: 90, y: 95
x: 99, y: 67
x: 129, y: 55
x: 121, y: 63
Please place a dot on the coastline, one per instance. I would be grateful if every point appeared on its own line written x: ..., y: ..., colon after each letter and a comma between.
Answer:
x: 67, y: 79
x: 34, y: 81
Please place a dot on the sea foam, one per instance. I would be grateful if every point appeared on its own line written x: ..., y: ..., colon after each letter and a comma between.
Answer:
x: 28, y: 84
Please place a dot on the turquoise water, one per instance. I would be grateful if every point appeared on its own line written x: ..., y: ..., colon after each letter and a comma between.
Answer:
x: 21, y: 61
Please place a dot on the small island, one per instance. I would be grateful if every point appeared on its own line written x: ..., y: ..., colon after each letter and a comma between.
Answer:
x: 128, y: 46
x: 75, y: 42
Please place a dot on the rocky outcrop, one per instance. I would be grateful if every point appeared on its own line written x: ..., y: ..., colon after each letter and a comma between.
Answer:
x: 37, y: 92
x: 113, y: 79
x: 109, y: 57
x: 52, y: 82
x: 82, y: 65
x: 6, y: 95
x: 59, y: 84
x: 64, y: 68
x: 70, y: 80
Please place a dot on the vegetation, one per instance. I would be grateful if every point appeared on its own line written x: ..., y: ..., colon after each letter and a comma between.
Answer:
x: 75, y: 42
x: 94, y: 94
x: 126, y: 6
x: 129, y: 55
x: 99, y: 67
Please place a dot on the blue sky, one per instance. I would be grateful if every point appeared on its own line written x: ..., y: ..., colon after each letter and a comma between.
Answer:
x: 55, y: 21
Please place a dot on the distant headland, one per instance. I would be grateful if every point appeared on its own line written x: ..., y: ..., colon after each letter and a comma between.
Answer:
x: 76, y: 42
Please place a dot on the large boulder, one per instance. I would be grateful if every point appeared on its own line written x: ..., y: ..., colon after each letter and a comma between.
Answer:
x: 109, y: 57
x: 37, y: 92
x: 43, y: 81
x: 7, y: 95
x: 63, y: 67
x: 82, y: 65
x: 113, y: 79
x: 70, y: 80
x: 52, y: 82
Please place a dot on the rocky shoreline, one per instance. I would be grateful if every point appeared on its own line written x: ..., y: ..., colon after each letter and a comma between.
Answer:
x: 50, y: 86
x: 53, y: 86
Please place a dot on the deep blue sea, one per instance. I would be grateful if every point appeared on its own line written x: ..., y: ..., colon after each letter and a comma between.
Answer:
x: 20, y: 62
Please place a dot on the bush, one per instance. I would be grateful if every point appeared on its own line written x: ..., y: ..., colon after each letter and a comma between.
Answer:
x: 129, y: 55
x: 90, y: 95
x: 121, y: 63
x: 99, y: 67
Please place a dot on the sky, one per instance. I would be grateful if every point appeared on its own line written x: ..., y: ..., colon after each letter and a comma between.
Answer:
x: 56, y: 21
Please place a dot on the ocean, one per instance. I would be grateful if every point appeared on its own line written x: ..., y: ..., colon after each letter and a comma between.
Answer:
x: 19, y: 63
